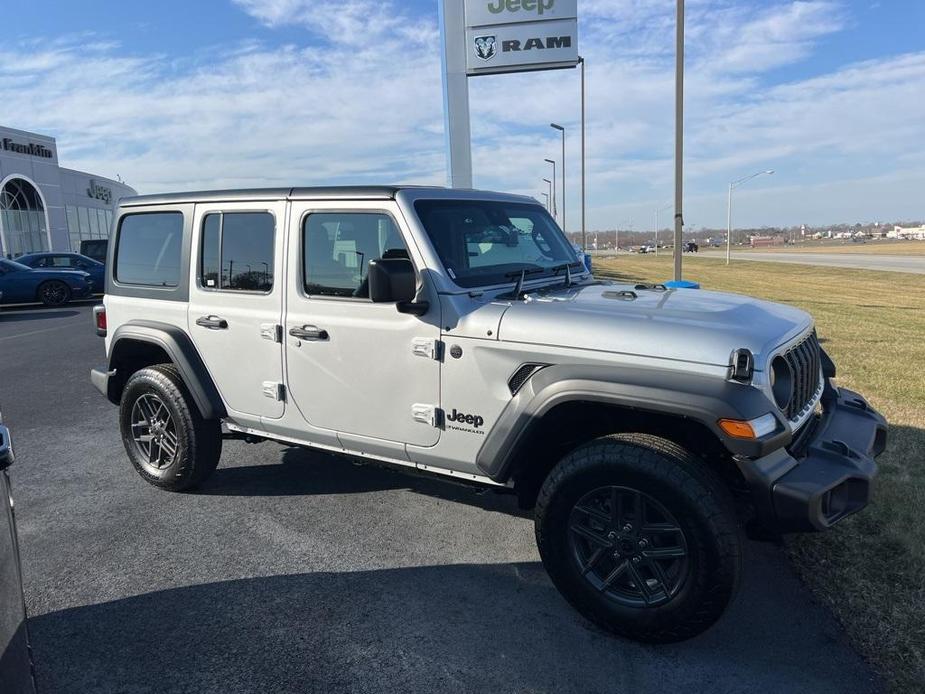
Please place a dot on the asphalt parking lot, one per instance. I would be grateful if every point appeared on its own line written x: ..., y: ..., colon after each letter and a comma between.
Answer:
x: 298, y: 571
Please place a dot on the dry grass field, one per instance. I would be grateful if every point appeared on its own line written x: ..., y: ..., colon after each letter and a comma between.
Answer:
x: 870, y: 569
x: 884, y: 247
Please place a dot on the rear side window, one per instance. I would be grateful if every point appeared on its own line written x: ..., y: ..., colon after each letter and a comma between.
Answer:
x: 148, y: 250
x: 237, y: 251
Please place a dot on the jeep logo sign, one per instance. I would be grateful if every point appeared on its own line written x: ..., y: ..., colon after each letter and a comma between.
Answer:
x: 481, y: 13
x: 516, y: 35
x: 95, y: 190
x: 538, y: 6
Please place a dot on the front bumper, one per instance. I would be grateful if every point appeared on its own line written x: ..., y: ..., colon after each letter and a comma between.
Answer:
x: 826, y: 474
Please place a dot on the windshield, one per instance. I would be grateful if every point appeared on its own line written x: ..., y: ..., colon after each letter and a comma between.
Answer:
x: 12, y: 266
x: 486, y: 242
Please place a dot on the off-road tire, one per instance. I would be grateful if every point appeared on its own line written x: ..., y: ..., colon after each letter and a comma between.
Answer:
x: 681, y: 484
x: 53, y: 293
x: 198, y: 441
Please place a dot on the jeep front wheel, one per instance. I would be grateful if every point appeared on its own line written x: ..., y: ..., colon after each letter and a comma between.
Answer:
x: 640, y: 537
x: 169, y: 443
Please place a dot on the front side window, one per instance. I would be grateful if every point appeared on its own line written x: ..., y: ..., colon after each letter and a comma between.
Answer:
x: 237, y: 251
x: 483, y: 242
x: 337, y: 248
x: 148, y: 249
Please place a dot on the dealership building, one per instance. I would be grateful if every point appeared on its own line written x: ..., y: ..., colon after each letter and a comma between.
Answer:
x: 44, y: 206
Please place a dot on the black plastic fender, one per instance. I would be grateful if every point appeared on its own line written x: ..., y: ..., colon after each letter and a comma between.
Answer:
x: 702, y: 398
x: 182, y: 352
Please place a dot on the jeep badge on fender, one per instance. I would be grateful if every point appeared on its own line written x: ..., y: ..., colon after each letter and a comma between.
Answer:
x: 646, y: 427
x: 473, y: 419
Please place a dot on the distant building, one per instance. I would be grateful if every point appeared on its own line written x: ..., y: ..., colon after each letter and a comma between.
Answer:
x: 899, y: 232
x: 766, y: 241
x: 45, y: 207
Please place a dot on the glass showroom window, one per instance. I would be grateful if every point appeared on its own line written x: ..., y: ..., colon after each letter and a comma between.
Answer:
x: 22, y: 218
x: 85, y: 223
x: 73, y: 228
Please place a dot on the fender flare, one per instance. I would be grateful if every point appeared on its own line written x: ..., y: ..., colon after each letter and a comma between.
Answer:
x: 702, y: 398
x: 182, y: 352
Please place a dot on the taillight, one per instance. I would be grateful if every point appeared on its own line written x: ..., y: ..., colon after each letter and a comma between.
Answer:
x: 99, y: 319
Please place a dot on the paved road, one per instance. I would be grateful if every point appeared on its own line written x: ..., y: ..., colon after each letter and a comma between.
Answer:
x: 297, y: 571
x: 891, y: 263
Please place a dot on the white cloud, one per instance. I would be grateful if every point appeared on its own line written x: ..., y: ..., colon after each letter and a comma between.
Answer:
x: 346, y: 22
x: 339, y: 107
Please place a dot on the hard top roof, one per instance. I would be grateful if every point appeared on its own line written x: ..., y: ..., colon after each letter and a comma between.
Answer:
x: 382, y: 192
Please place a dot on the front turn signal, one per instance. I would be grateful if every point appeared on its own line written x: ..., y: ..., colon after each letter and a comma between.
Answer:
x: 749, y: 429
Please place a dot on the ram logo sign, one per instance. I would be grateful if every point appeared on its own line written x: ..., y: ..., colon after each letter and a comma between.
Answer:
x: 518, y: 35
x: 485, y: 47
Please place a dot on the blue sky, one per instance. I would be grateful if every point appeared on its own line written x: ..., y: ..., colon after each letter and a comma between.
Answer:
x: 184, y: 95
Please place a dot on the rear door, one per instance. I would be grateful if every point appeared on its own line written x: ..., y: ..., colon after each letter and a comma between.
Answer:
x: 353, y: 366
x: 235, y: 302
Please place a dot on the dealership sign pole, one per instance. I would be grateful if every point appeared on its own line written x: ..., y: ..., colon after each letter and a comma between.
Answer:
x: 488, y: 37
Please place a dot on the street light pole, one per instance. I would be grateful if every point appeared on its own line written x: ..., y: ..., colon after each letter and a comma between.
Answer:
x: 732, y: 186
x: 555, y: 214
x: 564, y: 199
x: 550, y: 194
x: 679, y: 142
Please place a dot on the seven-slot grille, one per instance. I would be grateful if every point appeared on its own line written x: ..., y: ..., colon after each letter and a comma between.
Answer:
x: 805, y: 364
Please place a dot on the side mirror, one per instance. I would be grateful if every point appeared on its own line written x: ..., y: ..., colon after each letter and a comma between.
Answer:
x: 392, y: 280
x: 6, y: 448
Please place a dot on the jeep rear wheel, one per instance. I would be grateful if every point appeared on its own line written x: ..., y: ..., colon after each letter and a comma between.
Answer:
x: 640, y: 537
x: 167, y: 440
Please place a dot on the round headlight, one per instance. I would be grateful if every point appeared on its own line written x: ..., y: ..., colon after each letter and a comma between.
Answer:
x: 781, y: 382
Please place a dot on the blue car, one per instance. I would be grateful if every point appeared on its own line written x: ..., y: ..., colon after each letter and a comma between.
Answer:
x: 68, y: 261
x: 20, y: 283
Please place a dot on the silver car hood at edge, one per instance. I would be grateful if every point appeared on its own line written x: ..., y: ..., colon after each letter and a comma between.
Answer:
x: 691, y: 325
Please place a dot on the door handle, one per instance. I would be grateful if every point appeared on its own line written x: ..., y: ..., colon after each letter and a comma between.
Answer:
x: 212, y: 322
x: 309, y: 332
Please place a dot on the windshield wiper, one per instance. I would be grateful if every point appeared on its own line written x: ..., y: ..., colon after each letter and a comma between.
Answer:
x: 518, y: 290
x: 568, y: 272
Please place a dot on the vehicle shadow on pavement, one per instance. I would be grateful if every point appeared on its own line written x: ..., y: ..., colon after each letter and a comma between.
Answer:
x: 481, y: 627
x: 307, y: 472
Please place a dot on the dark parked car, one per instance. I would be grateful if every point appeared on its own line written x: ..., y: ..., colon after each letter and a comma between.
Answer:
x: 20, y: 283
x: 68, y: 261
x: 95, y: 248
x: 16, y: 673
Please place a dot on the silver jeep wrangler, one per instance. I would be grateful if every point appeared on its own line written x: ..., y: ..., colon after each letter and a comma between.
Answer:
x: 456, y: 332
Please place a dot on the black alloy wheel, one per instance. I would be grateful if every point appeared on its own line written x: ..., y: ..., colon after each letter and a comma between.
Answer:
x: 628, y: 546
x: 54, y: 293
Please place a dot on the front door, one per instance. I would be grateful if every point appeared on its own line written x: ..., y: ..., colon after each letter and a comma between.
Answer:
x: 354, y: 366
x: 235, y: 302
